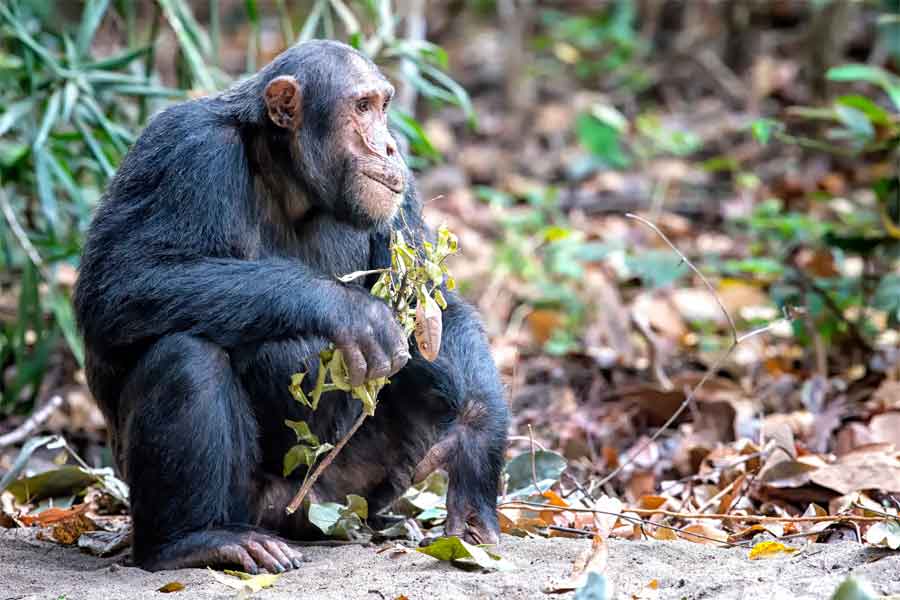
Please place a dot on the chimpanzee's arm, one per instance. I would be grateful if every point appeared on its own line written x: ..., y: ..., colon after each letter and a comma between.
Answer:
x: 227, y: 301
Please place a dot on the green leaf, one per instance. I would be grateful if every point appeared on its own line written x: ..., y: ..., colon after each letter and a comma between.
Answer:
x: 875, y: 113
x: 304, y: 435
x: 49, y: 120
x: 63, y: 481
x: 65, y: 319
x: 762, y: 130
x: 296, y: 456
x: 94, y: 146
x: 117, y: 61
x: 854, y: 589
x: 870, y: 74
x: 455, y: 550
x: 548, y: 467
x: 90, y: 20
x: 185, y: 29
x: 14, y: 112
x: 296, y: 389
x: 338, y: 520
x: 325, y: 515
x: 46, y: 195
x: 601, y: 140
x: 856, y: 121
x: 28, y: 448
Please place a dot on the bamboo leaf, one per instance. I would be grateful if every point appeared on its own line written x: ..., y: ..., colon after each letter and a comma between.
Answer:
x: 90, y: 20
x: 186, y: 40
x: 14, y: 112
x: 49, y: 120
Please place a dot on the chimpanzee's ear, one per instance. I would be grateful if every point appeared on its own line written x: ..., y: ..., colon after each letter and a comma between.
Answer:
x: 284, y: 102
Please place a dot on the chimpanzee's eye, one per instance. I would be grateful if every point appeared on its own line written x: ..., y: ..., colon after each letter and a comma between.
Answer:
x: 363, y: 105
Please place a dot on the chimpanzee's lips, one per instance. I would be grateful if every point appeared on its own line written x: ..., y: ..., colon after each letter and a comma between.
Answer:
x: 392, y: 181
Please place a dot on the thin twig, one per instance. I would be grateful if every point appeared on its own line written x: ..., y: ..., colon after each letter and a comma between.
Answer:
x: 37, y: 418
x: 718, y: 496
x: 523, y: 504
x: 320, y: 468
x: 689, y: 398
x: 877, y: 512
x: 20, y: 234
x: 685, y: 260
x: 533, y: 466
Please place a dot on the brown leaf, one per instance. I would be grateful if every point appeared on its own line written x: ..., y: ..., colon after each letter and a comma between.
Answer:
x: 861, y: 471
x: 53, y: 515
x: 172, y: 586
x: 67, y: 531
x: 710, y: 533
x: 429, y: 327
x: 886, y: 428
x: 592, y: 560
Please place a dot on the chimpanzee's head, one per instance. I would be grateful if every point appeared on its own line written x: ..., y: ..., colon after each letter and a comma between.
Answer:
x: 331, y: 101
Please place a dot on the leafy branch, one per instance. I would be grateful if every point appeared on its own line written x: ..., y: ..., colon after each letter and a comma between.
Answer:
x: 412, y: 288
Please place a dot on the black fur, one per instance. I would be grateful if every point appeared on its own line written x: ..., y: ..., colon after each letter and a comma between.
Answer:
x: 199, y: 295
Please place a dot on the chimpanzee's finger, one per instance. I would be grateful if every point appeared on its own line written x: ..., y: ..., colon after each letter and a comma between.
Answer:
x: 275, y: 549
x: 262, y: 557
x: 396, y: 346
x: 356, y: 363
x: 379, y: 365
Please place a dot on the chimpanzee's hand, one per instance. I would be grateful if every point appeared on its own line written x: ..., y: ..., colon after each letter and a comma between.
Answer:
x: 372, y: 342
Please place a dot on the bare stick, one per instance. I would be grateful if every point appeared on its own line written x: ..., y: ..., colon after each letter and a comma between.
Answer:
x: 533, y: 467
x: 689, y: 398
x: 37, y: 418
x: 320, y: 468
x: 522, y: 504
x: 19, y: 233
x: 684, y: 259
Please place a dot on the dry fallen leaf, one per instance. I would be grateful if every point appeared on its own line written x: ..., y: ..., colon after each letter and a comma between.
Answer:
x: 53, y: 515
x: 711, y: 534
x: 172, y: 586
x: 860, y: 471
x: 592, y: 560
x: 769, y: 549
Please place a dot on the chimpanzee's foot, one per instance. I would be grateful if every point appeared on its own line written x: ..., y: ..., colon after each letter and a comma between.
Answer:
x: 250, y: 551
x: 468, y: 521
x: 472, y: 496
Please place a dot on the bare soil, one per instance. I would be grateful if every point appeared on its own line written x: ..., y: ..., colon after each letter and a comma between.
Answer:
x: 34, y: 569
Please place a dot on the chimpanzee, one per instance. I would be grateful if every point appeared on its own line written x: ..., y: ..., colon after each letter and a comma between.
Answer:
x: 209, y: 277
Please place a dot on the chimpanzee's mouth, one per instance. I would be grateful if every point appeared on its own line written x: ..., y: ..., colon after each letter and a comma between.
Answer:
x: 391, y: 181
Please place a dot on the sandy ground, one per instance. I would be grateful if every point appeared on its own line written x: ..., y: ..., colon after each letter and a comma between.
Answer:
x: 34, y: 569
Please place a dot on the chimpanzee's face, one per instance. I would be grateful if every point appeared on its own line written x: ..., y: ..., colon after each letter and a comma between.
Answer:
x: 358, y: 173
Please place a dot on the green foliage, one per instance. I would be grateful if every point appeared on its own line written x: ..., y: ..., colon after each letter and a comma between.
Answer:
x: 596, y: 43
x: 520, y: 477
x: 415, y: 279
x: 341, y: 521
x: 465, y: 555
x: 69, y: 118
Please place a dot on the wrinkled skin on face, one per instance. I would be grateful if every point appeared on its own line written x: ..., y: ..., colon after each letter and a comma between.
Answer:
x: 372, y: 174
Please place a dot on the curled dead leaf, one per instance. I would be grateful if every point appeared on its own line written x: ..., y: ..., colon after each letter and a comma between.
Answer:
x: 429, y: 327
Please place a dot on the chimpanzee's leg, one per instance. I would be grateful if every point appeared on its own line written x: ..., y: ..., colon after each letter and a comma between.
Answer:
x: 189, y: 445
x: 472, y: 434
